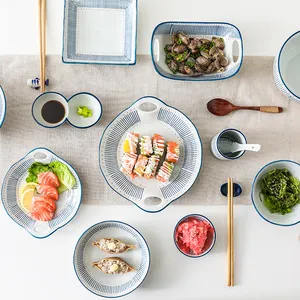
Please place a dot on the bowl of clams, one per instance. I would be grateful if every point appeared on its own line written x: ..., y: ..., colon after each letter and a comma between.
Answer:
x: 196, y: 51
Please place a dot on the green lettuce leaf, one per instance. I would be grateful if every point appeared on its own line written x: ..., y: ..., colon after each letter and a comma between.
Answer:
x: 64, y: 175
x: 34, y: 170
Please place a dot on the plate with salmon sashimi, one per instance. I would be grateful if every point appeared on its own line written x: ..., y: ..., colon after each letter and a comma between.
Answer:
x: 151, y: 154
x: 41, y: 192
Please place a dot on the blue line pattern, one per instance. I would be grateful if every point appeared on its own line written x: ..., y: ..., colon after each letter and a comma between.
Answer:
x: 100, y: 288
x: 70, y: 25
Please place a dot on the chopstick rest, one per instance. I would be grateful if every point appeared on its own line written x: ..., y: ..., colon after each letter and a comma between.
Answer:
x: 35, y: 83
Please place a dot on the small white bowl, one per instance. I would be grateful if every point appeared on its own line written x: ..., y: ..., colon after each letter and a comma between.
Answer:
x: 84, y: 99
x: 287, y: 67
x: 277, y: 219
x: 39, y: 103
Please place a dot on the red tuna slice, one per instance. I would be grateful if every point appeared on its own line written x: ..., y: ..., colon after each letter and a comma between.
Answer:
x: 48, y: 190
x: 48, y: 178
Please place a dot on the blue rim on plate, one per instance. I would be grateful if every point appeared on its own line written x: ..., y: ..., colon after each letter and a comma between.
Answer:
x: 203, y: 218
x: 36, y: 99
x: 123, y: 224
x: 85, y: 127
x: 2, y: 106
x: 196, y: 79
x: 201, y: 149
x: 101, y: 63
x: 218, y: 139
x: 278, y: 65
x: 252, y: 191
x: 59, y: 158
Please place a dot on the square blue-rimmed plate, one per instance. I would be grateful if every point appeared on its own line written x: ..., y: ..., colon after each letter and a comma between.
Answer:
x: 100, y: 32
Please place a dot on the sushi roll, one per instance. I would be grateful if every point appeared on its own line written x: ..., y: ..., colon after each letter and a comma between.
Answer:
x: 128, y: 162
x: 140, y: 165
x: 172, y: 152
x: 158, y: 144
x: 151, y: 167
x: 165, y: 172
x: 131, y: 142
x: 146, y: 145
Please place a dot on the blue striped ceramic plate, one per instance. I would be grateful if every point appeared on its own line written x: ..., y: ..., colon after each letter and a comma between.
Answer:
x: 104, y: 285
x: 67, y: 205
x: 2, y: 106
x: 162, y: 35
x: 100, y: 32
x: 150, y: 195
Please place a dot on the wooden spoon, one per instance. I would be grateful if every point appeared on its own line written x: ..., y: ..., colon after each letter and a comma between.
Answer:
x: 222, y: 107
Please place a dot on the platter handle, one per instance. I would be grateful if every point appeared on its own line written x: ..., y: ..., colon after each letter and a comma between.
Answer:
x: 153, y: 201
x: 41, y: 229
x: 42, y: 155
x: 230, y: 46
x: 148, y: 115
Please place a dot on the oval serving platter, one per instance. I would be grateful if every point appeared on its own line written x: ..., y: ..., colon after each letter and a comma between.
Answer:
x: 67, y: 205
x: 104, y: 285
x: 151, y: 195
x: 2, y: 106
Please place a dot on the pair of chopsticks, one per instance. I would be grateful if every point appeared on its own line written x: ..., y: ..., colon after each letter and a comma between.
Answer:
x: 42, y: 27
x: 230, y: 237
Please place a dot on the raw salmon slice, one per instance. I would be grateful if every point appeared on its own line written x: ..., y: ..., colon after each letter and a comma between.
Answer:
x: 48, y: 178
x: 41, y: 213
x: 48, y: 190
x: 46, y: 200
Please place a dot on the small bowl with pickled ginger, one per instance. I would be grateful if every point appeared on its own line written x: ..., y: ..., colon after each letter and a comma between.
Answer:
x: 194, y: 235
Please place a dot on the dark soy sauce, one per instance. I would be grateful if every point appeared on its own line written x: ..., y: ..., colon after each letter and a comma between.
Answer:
x: 53, y: 111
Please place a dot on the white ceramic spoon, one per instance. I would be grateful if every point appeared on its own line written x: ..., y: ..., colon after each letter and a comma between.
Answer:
x: 228, y: 146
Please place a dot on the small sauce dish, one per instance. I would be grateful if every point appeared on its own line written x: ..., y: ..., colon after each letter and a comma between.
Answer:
x: 197, y: 229
x: 50, y: 109
x: 87, y: 100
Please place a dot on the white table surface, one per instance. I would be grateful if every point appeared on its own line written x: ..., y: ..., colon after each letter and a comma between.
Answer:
x: 267, y: 257
x: 265, y: 25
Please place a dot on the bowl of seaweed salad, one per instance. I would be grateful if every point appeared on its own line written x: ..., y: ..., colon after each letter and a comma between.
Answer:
x: 275, y: 192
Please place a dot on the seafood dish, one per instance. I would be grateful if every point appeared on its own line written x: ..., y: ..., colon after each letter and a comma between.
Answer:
x: 172, y: 152
x: 128, y: 162
x: 140, y: 165
x: 146, y: 145
x: 146, y: 156
x: 158, y: 145
x: 195, y: 56
x: 131, y: 143
x: 44, y: 183
x: 112, y: 245
x: 151, y: 167
x: 165, y: 172
x: 113, y: 265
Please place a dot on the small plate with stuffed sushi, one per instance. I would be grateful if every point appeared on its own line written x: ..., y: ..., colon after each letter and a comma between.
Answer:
x: 151, y: 154
x: 41, y: 192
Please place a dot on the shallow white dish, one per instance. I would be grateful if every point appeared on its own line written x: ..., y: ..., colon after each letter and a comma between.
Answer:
x: 2, y: 106
x: 286, y: 67
x: 276, y: 219
x: 100, y: 32
x: 91, y: 102
x: 151, y: 195
x: 67, y: 205
x: 104, y: 285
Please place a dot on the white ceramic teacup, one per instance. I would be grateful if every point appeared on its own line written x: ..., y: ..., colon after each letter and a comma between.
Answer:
x: 41, y: 100
x: 232, y: 135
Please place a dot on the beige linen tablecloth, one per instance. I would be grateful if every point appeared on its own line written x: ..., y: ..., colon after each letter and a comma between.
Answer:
x: 117, y: 87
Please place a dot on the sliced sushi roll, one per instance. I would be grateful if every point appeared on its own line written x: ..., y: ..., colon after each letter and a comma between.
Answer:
x: 128, y: 162
x: 146, y: 145
x: 172, y: 152
x: 140, y: 165
x: 151, y: 166
x: 131, y: 142
x: 113, y: 265
x: 158, y: 144
x: 165, y: 172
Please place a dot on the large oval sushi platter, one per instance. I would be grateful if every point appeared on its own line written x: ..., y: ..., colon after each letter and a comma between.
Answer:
x: 146, y: 118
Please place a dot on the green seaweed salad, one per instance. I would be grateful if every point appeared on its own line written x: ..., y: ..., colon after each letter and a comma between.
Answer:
x: 280, y: 190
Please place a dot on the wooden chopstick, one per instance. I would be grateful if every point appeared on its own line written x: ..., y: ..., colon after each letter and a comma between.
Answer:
x: 230, y: 236
x: 42, y: 27
x: 229, y: 244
